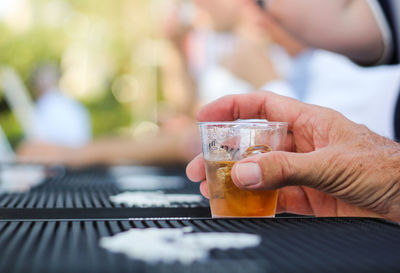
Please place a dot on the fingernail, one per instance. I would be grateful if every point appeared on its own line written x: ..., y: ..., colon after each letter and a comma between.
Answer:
x: 248, y: 174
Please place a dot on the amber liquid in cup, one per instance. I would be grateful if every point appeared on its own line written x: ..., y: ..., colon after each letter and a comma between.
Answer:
x: 227, y: 200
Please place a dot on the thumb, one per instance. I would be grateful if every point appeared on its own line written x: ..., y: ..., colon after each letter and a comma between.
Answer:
x: 275, y: 170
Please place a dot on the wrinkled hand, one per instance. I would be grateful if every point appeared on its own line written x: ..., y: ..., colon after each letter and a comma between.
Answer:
x: 335, y: 167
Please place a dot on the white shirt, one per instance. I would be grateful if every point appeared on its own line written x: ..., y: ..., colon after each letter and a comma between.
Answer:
x: 61, y: 120
x: 213, y: 80
x: 364, y: 95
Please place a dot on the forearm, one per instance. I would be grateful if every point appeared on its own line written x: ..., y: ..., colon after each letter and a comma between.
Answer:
x: 163, y: 149
x: 394, y: 197
x: 179, y: 86
x: 345, y: 26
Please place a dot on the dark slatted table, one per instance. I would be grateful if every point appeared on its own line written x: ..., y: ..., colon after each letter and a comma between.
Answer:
x: 85, y: 194
x: 288, y: 245
x: 56, y: 227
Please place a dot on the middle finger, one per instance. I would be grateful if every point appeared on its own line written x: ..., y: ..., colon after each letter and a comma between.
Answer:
x: 195, y: 170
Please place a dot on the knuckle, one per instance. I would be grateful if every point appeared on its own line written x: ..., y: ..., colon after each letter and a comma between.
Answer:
x: 276, y: 170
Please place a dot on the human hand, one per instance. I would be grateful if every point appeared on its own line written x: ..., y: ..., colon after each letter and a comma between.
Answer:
x: 174, y: 28
x: 247, y: 54
x: 335, y: 167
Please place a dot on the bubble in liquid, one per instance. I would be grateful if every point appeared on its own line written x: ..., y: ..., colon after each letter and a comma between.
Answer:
x: 256, y: 150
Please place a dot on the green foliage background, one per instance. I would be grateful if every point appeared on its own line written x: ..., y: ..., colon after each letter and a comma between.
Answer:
x: 127, y: 22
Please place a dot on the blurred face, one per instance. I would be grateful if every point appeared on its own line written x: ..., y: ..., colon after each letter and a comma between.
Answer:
x: 45, y: 78
x: 224, y: 14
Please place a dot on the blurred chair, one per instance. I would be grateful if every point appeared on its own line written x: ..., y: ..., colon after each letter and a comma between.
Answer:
x: 55, y: 118
x: 6, y: 152
x: 19, y: 100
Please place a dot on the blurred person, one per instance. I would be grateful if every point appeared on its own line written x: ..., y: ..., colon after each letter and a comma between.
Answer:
x: 227, y: 39
x: 272, y: 59
x: 59, y: 120
x: 178, y: 138
x: 242, y: 56
x: 205, y: 45
x: 327, y: 79
x: 194, y: 69
x: 178, y: 85
x: 365, y: 31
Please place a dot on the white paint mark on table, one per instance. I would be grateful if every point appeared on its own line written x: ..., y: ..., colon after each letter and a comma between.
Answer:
x: 175, y: 244
x: 158, y: 198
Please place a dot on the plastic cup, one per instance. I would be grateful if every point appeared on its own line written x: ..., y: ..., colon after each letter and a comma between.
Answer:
x: 224, y: 143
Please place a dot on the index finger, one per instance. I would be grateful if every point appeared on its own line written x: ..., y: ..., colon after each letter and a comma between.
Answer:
x: 195, y: 170
x: 256, y: 105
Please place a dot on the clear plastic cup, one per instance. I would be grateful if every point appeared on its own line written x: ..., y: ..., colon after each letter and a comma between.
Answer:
x: 224, y: 143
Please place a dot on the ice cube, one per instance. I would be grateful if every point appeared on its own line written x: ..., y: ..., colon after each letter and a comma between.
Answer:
x: 220, y: 154
x: 223, y: 174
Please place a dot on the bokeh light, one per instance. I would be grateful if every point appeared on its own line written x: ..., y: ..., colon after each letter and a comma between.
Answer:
x: 108, y: 53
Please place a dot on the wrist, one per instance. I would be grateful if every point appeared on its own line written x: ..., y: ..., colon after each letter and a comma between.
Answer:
x: 395, y: 202
x: 387, y: 178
